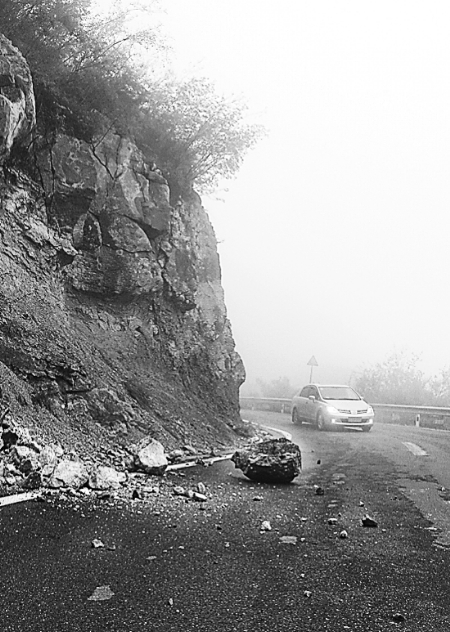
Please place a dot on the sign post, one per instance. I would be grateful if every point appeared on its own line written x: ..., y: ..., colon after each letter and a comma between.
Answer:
x: 312, y: 363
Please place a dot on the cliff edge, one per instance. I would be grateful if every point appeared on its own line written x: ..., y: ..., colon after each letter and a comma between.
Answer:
x: 112, y: 316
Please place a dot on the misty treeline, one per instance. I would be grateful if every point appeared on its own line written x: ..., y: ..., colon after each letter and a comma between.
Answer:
x: 98, y: 70
x: 399, y: 380
x: 396, y: 380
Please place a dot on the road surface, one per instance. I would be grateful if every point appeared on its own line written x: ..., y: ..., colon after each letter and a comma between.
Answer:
x: 169, y: 564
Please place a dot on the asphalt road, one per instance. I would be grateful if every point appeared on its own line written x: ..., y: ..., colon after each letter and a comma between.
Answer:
x: 169, y: 564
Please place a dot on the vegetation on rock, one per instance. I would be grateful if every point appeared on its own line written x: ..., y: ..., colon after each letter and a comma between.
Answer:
x: 95, y: 71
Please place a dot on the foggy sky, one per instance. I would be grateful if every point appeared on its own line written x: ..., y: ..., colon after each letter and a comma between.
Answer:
x: 334, y: 237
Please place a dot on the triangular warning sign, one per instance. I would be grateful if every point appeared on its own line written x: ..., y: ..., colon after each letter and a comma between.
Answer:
x: 312, y: 362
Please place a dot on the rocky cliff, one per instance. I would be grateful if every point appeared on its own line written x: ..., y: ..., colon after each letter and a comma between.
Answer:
x: 112, y: 316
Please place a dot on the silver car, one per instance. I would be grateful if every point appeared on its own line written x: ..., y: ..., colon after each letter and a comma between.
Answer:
x: 331, y: 406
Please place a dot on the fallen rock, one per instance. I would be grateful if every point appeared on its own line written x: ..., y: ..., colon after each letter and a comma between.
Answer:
x: 104, y: 477
x: 265, y: 526
x: 271, y: 461
x: 33, y: 480
x: 201, y: 498
x: 48, y: 458
x: 398, y: 617
x: 367, y: 521
x: 150, y: 457
x: 288, y: 539
x: 69, y: 474
x: 24, y: 458
x: 101, y: 593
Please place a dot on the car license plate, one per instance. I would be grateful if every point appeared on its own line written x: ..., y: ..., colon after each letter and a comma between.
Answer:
x: 354, y: 420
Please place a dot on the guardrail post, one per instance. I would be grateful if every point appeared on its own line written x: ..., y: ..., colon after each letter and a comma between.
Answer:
x: 417, y: 423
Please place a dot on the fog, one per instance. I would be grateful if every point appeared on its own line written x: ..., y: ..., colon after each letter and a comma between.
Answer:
x: 334, y: 236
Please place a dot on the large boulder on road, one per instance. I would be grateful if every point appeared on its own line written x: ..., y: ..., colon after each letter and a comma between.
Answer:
x: 150, y: 457
x: 271, y: 461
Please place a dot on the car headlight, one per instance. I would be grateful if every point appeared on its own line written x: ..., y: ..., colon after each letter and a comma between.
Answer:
x: 332, y: 410
x: 369, y: 410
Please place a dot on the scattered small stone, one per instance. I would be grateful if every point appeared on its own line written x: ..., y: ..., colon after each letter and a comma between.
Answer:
x: 199, y: 497
x: 367, y: 521
x: 257, y: 498
x: 265, y: 526
x: 320, y: 491
x: 101, y: 593
x: 288, y: 539
x: 332, y: 520
x: 201, y: 488
x: 319, y: 461
x: 170, y: 601
x: 135, y: 495
x: 97, y: 544
x: 398, y: 617
x: 343, y: 534
x: 179, y: 491
x: 307, y: 593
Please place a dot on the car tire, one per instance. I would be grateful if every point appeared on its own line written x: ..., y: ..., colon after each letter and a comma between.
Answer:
x: 295, y: 418
x: 321, y: 422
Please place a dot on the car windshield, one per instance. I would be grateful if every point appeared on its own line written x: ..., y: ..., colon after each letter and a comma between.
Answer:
x: 338, y: 392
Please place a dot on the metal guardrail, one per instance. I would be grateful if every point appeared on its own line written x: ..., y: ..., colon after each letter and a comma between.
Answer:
x: 419, y: 416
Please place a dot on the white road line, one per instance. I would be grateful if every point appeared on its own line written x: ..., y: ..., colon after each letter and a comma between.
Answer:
x: 282, y: 432
x: 415, y: 449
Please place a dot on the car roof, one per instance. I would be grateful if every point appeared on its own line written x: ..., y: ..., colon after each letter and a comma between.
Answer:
x: 327, y: 385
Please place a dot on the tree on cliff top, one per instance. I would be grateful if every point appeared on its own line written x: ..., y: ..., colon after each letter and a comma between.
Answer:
x: 199, y: 135
x: 88, y: 72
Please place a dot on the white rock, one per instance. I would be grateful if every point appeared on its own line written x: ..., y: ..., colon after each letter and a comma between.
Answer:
x: 150, y: 457
x: 104, y: 477
x: 69, y: 474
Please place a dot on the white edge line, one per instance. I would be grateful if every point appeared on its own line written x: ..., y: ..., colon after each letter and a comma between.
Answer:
x: 18, y: 498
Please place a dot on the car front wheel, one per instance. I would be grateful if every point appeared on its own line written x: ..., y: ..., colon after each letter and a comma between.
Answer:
x: 321, y: 422
x: 295, y: 418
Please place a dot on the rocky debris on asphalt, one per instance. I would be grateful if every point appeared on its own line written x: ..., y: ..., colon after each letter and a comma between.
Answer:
x: 320, y: 491
x: 265, y: 526
x: 271, y: 461
x: 131, y: 474
x: 343, y: 534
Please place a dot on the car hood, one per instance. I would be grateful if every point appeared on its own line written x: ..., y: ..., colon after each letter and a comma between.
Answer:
x: 353, y: 406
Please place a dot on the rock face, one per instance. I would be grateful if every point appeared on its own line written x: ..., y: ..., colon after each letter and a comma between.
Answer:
x: 17, y: 109
x: 271, y: 461
x: 111, y: 306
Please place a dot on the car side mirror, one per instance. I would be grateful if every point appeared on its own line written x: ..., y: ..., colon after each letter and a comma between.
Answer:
x: 312, y: 398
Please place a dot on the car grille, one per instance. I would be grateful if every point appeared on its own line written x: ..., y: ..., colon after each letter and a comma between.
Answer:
x: 344, y: 411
